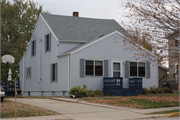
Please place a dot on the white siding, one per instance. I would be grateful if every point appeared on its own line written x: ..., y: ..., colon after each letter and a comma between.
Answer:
x: 109, y: 50
x: 40, y: 65
x: 64, y: 47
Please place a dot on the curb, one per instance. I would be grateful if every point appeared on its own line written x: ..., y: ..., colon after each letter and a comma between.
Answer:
x: 175, y: 114
x: 65, y: 99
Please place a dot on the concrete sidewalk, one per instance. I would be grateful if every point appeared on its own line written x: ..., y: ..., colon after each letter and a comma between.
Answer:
x: 52, y: 117
x: 142, y: 111
x: 80, y: 110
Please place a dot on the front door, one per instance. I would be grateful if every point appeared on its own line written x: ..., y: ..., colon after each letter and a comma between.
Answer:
x: 116, y: 69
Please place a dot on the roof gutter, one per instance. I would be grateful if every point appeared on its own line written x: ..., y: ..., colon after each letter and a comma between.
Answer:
x: 63, y: 54
x: 68, y: 41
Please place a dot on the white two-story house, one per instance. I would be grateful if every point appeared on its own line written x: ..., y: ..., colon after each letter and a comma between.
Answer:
x: 67, y: 51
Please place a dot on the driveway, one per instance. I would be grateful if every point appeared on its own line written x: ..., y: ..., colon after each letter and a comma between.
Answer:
x: 79, y: 111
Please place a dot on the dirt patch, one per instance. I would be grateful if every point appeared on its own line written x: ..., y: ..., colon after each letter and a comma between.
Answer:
x: 23, y: 110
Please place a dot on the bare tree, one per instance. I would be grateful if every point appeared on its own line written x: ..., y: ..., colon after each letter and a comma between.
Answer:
x: 158, y: 21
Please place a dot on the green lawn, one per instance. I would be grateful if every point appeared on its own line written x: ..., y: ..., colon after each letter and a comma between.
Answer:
x: 176, y: 93
x: 140, y: 102
x: 164, y: 112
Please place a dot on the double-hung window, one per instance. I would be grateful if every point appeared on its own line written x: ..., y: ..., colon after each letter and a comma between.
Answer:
x: 94, y: 68
x: 98, y: 68
x: 33, y: 48
x: 54, y: 72
x: 48, y: 42
x: 137, y: 69
x: 28, y: 72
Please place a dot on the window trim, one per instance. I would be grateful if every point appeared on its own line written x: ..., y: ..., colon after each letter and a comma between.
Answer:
x: 137, y: 70
x: 94, y: 67
x: 112, y: 67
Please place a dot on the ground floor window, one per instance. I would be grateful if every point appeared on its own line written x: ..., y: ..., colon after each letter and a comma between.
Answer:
x: 94, y: 67
x: 137, y: 69
x: 54, y: 72
x: 28, y: 74
x: 176, y: 68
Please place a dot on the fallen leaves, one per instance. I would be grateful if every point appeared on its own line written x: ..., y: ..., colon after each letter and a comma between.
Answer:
x: 23, y: 110
x: 139, y: 101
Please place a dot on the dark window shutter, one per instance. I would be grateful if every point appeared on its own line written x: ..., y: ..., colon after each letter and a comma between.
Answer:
x: 105, y: 68
x: 45, y: 40
x: 31, y: 48
x: 30, y: 72
x: 51, y: 70
x: 56, y: 70
x: 82, y: 69
x: 34, y: 47
x: 49, y: 42
x: 127, y: 69
x: 148, y: 70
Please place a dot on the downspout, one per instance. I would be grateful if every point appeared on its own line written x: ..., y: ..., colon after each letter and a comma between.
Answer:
x: 23, y: 88
x: 23, y: 75
x: 68, y: 72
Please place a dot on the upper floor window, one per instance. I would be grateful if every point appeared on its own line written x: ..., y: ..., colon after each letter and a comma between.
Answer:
x: 33, y: 48
x: 48, y: 42
x: 137, y: 69
x: 94, y: 67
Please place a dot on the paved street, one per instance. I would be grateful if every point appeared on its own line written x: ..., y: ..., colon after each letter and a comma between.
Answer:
x: 86, y: 111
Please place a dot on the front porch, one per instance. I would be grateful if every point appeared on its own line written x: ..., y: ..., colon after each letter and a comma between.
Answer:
x: 114, y: 85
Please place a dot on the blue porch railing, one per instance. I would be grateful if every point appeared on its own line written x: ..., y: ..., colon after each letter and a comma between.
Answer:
x: 114, y: 85
x: 135, y: 83
x: 113, y: 82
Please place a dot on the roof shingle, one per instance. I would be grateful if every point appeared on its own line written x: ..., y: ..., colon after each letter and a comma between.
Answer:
x: 69, y: 28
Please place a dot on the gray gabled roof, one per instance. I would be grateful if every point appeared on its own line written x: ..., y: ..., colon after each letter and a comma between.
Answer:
x: 71, y: 28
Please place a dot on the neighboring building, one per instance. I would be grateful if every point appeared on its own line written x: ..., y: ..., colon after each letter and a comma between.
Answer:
x: 67, y: 51
x: 173, y: 60
x: 162, y: 72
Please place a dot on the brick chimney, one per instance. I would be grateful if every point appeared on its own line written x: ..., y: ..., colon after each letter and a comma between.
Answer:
x: 75, y: 14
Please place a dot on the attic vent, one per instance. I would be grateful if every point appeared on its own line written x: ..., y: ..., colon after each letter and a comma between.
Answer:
x: 75, y: 14
x: 115, y: 39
